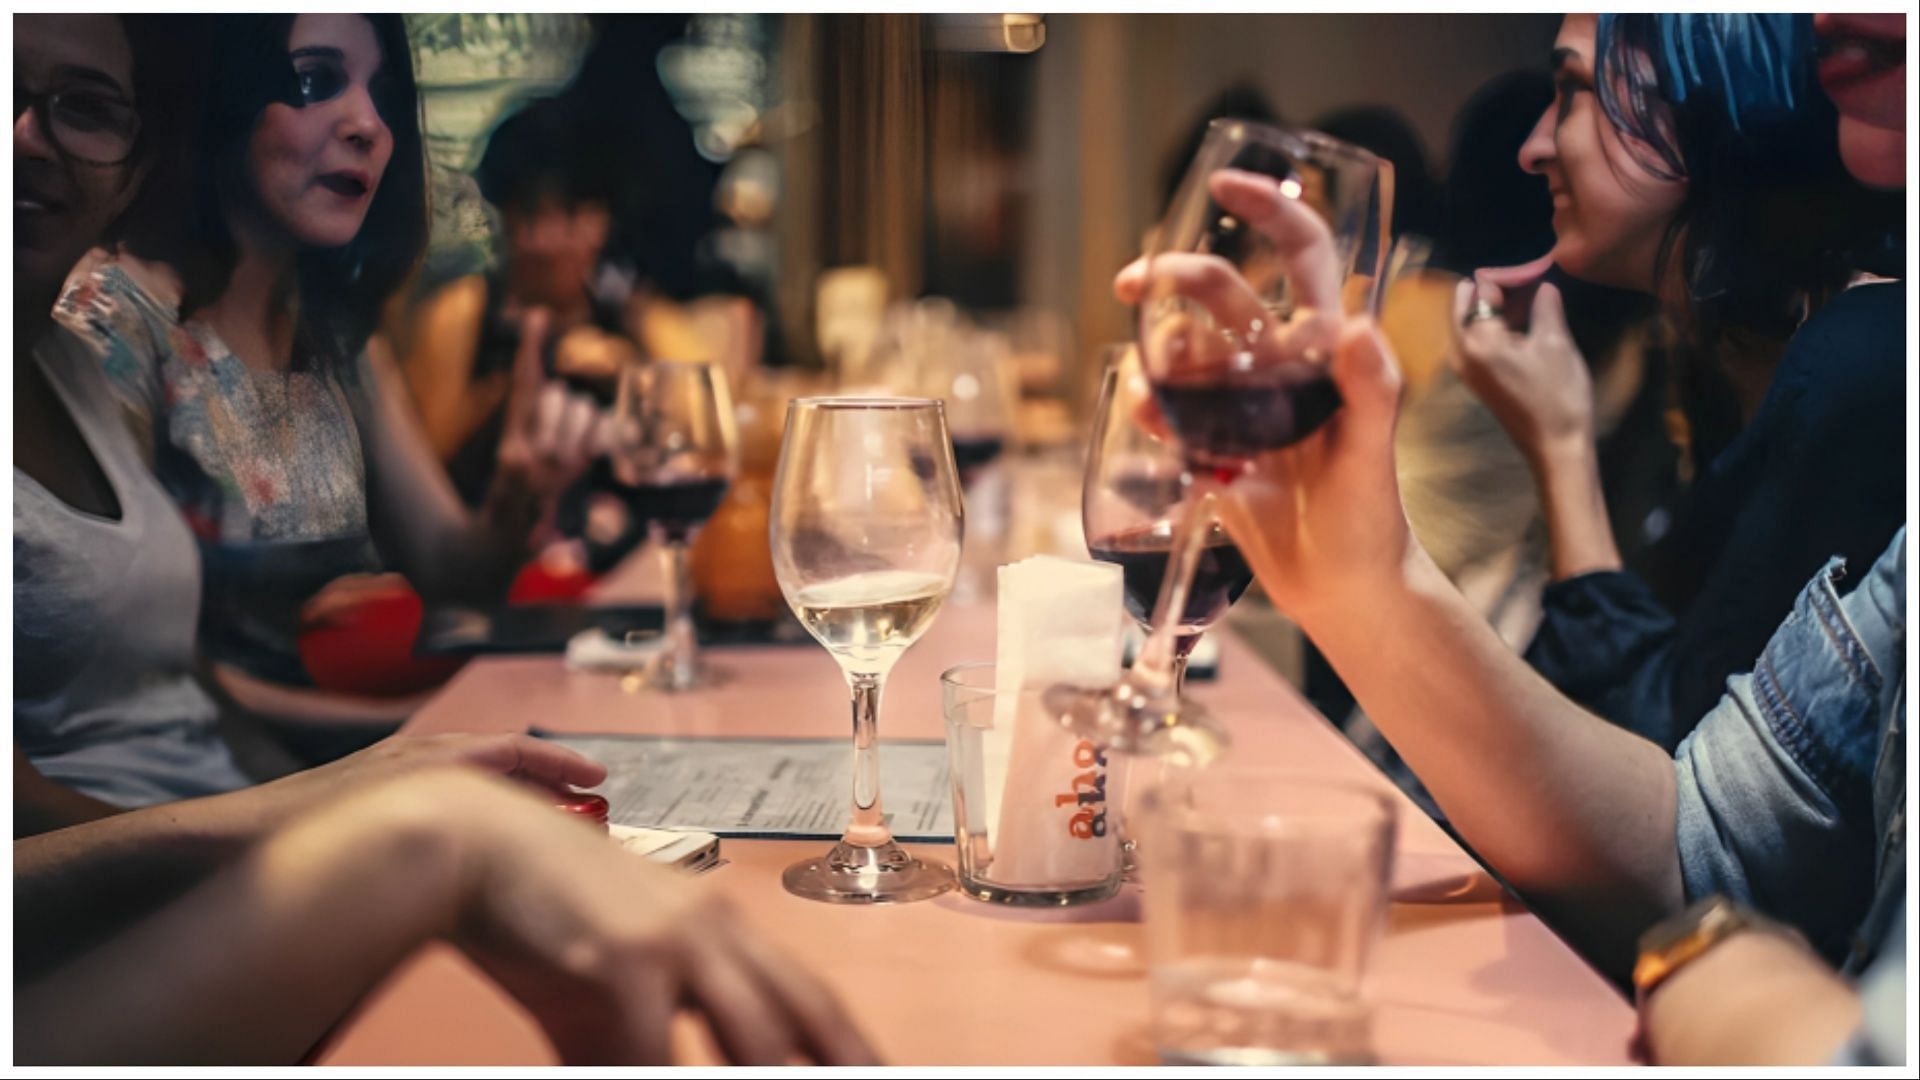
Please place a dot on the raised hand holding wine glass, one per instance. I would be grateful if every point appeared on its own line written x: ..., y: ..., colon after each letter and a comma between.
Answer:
x: 1270, y: 239
x: 865, y: 530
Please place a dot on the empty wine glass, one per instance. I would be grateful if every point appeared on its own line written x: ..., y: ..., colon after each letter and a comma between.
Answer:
x: 671, y: 457
x: 866, y: 527
x: 1272, y: 236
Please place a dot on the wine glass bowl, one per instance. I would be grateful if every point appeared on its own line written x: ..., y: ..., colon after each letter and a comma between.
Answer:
x: 1272, y: 236
x: 865, y: 529
x: 1130, y: 506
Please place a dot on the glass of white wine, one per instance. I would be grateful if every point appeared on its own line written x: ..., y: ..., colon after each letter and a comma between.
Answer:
x: 865, y: 529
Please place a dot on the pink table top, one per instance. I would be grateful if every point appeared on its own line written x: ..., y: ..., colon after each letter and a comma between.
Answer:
x: 1464, y: 976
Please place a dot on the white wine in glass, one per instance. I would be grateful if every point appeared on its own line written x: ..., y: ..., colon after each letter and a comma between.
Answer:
x: 865, y: 531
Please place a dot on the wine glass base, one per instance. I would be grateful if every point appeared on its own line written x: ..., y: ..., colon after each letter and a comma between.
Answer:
x: 662, y: 674
x: 850, y: 874
x: 1131, y: 719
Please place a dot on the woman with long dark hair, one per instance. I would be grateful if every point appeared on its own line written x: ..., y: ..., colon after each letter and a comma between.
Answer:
x: 1692, y: 158
x: 236, y: 329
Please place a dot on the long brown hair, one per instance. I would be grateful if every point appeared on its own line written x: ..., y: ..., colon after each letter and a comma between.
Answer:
x: 341, y: 290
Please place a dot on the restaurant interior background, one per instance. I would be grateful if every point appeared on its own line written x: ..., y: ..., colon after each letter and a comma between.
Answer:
x: 785, y: 181
x: 1001, y: 161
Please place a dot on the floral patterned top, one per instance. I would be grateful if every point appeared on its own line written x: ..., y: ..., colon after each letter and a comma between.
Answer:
x: 266, y: 466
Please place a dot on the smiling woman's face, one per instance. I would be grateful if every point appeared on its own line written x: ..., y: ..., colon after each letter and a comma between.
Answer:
x: 316, y: 162
x: 1609, y: 210
x: 62, y: 204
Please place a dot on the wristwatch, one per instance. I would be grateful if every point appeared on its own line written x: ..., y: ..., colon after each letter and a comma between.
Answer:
x: 1678, y: 940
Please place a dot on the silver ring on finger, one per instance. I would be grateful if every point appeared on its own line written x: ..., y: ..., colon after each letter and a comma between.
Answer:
x: 1481, y: 311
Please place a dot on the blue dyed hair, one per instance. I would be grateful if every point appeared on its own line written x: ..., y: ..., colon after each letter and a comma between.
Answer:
x: 1772, y: 224
x: 1748, y: 76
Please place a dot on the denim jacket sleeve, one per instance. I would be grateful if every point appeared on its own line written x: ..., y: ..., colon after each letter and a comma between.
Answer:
x: 1783, y: 799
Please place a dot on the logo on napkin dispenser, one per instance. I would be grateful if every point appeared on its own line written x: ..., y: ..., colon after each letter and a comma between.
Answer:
x: 1089, y: 794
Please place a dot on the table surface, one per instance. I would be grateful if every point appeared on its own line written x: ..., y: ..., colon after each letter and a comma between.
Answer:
x: 1464, y: 975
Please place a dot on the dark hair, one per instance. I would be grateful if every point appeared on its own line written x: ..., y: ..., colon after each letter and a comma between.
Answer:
x: 544, y: 151
x: 1384, y: 132
x: 1240, y: 101
x: 341, y: 290
x: 169, y: 68
x: 1771, y: 224
x: 1496, y: 214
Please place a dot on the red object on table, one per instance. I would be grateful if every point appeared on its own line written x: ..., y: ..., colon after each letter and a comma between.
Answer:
x: 543, y: 583
x: 583, y: 804
x: 365, y: 646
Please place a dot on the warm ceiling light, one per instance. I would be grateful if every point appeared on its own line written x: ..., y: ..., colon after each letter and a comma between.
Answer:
x: 989, y: 33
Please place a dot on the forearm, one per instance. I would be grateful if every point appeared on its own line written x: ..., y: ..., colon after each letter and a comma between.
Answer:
x: 257, y: 963
x: 446, y: 550
x: 305, y: 705
x: 41, y: 805
x: 77, y: 886
x: 1567, y: 472
x: 1572, y: 810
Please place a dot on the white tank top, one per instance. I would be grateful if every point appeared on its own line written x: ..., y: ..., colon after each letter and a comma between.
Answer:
x: 104, y: 619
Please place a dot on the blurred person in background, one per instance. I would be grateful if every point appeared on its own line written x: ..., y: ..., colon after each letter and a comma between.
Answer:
x: 554, y: 194
x: 1789, y: 796
x: 1716, y: 187
x: 233, y: 328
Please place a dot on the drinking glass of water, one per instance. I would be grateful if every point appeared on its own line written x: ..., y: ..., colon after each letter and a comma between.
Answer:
x: 1265, y: 893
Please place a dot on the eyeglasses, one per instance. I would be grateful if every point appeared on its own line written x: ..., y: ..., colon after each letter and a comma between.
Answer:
x: 84, y: 125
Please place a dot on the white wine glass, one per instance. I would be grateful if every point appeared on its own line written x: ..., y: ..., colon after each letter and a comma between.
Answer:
x: 865, y: 529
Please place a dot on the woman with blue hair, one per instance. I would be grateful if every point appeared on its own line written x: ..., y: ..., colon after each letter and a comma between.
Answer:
x: 1732, y: 876
x: 1693, y: 158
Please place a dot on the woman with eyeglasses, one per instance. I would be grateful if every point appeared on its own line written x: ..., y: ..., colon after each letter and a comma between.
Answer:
x: 107, y: 713
x: 236, y: 328
x: 1708, y: 177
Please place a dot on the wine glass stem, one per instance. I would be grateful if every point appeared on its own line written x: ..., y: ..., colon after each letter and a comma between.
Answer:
x: 868, y: 825
x: 1159, y: 666
x: 681, y: 640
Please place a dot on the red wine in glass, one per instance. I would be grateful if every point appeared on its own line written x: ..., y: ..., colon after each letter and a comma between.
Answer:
x: 1225, y: 422
x: 971, y: 453
x: 678, y: 506
x: 1142, y: 554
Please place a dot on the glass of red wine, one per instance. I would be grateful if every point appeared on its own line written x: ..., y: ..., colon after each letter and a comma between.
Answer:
x: 672, y: 456
x: 968, y: 369
x: 1271, y: 239
x: 1131, y: 503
